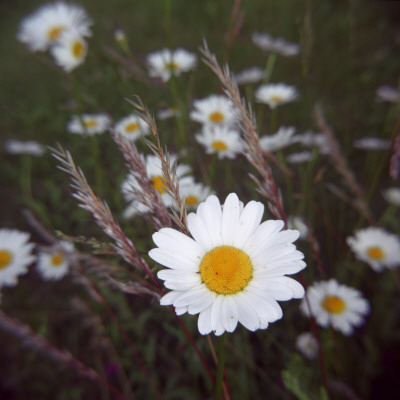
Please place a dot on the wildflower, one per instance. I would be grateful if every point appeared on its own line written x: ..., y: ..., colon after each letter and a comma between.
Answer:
x: 388, y: 93
x: 70, y: 51
x: 275, y: 45
x: 214, y: 110
x: 312, y: 139
x: 392, y: 195
x: 165, y: 63
x: 15, y: 255
x: 89, y: 124
x: 372, y: 143
x: 220, y: 140
x: 275, y: 94
x: 232, y: 270
x: 132, y: 127
x: 250, y: 75
x: 53, y: 264
x: 299, y: 157
x: 376, y: 247
x: 307, y: 345
x: 279, y: 140
x: 31, y: 147
x: 42, y: 29
x: 193, y: 194
x: 169, y: 113
x: 335, y: 305
x: 298, y: 223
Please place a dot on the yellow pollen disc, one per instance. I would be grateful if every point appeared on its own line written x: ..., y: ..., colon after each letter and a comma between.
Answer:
x: 333, y: 304
x: 54, y: 33
x: 375, y: 252
x: 5, y: 258
x: 158, y: 184
x: 57, y: 259
x: 191, y: 200
x: 171, y: 65
x: 219, y: 146
x: 78, y: 49
x: 91, y: 123
x: 134, y: 126
x: 276, y: 99
x: 226, y: 270
x: 216, y: 117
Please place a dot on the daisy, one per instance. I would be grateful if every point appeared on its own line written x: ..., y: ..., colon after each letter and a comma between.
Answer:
x: 214, y: 110
x: 53, y: 263
x: 70, y: 51
x: 275, y: 94
x: 132, y: 127
x: 278, y: 140
x: 275, y: 45
x: 376, y: 247
x: 312, y: 139
x: 372, y: 143
x: 232, y: 269
x: 167, y: 113
x: 15, y: 255
x: 298, y: 223
x: 89, y: 124
x: 307, y: 345
x: 193, y: 194
x: 335, y: 305
x: 220, y: 140
x: 299, y: 157
x: 42, y: 29
x: 250, y: 75
x: 392, y: 195
x: 388, y: 93
x: 165, y: 63
x: 31, y: 147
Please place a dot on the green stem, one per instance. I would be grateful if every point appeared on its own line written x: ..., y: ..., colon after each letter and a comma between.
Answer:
x: 274, y: 120
x: 168, y: 22
x: 269, y: 67
x: 220, y: 367
x: 94, y: 148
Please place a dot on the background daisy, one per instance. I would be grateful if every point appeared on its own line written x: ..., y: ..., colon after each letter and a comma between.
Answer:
x: 132, y: 127
x: 275, y: 94
x: 89, y: 124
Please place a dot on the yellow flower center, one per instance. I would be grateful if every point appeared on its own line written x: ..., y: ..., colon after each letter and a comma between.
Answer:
x: 5, y: 258
x: 226, y: 270
x: 57, y: 259
x: 277, y: 99
x: 54, y: 33
x: 191, y: 200
x: 91, y: 123
x: 376, y: 253
x: 333, y: 304
x: 78, y: 49
x: 216, y: 117
x: 133, y: 126
x: 171, y: 66
x: 158, y: 184
x: 219, y: 145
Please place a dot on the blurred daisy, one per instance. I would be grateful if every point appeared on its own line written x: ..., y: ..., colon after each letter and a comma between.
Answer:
x: 314, y: 139
x: 376, y: 247
x: 275, y: 45
x: 44, y: 27
x: 220, y: 140
x: 232, y: 270
x: 307, y: 345
x: 89, y: 124
x: 169, y: 113
x: 165, y: 63
x: 250, y: 75
x: 193, y: 194
x: 275, y: 94
x: 132, y: 127
x: 388, y: 93
x: 299, y: 157
x: 15, y: 255
x: 336, y: 305
x: 70, y: 51
x: 214, y: 110
x: 31, y: 147
x: 392, y: 195
x: 53, y: 263
x: 299, y: 224
x: 372, y: 143
x: 278, y: 140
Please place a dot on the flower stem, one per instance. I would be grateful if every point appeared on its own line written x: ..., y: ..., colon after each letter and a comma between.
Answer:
x: 269, y: 67
x: 220, y: 367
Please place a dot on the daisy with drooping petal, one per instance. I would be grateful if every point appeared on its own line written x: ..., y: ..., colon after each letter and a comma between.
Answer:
x: 376, y: 247
x: 307, y: 345
x: 232, y: 270
x: 339, y: 306
x: 89, y: 124
x: 165, y: 63
x: 250, y: 75
x: 275, y: 94
x: 53, y: 263
x: 132, y: 127
x: 31, y: 147
x: 220, y: 140
x: 15, y: 255
x: 279, y: 140
x: 193, y: 194
x: 392, y: 195
x: 214, y: 110
x: 275, y: 45
x: 44, y: 27
x: 372, y: 143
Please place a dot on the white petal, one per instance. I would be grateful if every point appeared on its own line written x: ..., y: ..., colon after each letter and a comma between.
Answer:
x: 178, y: 276
x: 210, y: 212
x: 216, y: 316
x: 246, y: 314
x: 204, y: 321
x: 174, y: 260
x: 199, y: 231
x: 230, y: 218
x: 229, y: 313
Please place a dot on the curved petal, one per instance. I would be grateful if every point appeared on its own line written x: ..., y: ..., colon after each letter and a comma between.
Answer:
x: 230, y: 218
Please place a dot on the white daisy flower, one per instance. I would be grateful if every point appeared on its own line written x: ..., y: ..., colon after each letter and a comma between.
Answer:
x: 53, y: 263
x: 392, y: 195
x: 70, y: 51
x: 250, y: 75
x: 312, y: 139
x: 44, y: 27
x: 279, y: 140
x: 275, y: 94
x: 372, y: 143
x: 275, y: 45
x: 220, y: 140
x: 388, y: 93
x: 298, y: 223
x: 307, y: 345
x: 167, y: 113
x: 165, y: 63
x: 299, y: 157
x: 335, y: 305
x: 89, y: 124
x: 214, y: 110
x: 376, y: 247
x: 193, y: 194
x: 233, y: 268
x: 15, y: 255
x: 132, y: 127
x: 31, y: 147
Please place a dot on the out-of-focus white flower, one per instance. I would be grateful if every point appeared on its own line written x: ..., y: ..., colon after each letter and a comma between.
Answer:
x: 314, y: 139
x: 372, y: 143
x: 249, y: 75
x: 31, y: 147
x: 165, y: 63
x: 169, y: 113
x: 193, y: 194
x: 299, y: 157
x: 298, y: 223
x: 279, y: 140
x: 89, y: 124
x: 275, y: 45
x: 132, y: 127
x: 42, y: 29
x: 388, y: 93
x: 275, y: 94
x: 307, y: 345
x: 392, y: 195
